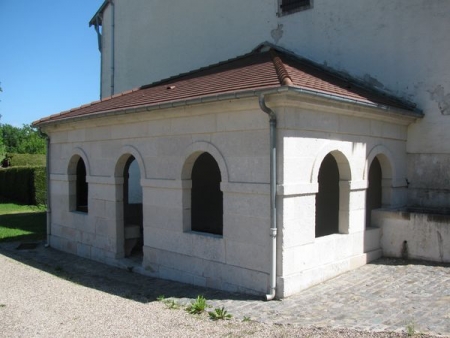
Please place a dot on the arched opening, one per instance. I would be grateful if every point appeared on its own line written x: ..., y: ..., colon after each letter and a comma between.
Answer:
x: 132, y: 209
x: 374, y: 190
x: 327, y: 198
x: 206, y: 196
x: 81, y: 190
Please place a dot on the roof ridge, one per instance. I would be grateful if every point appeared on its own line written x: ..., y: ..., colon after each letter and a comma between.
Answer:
x: 283, y: 74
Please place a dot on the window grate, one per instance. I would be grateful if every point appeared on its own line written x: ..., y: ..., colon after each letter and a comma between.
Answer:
x: 289, y: 5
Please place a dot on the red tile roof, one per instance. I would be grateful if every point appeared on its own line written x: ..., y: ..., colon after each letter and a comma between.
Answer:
x: 256, y: 71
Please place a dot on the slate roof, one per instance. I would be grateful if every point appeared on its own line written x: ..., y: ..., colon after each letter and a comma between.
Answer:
x: 263, y: 69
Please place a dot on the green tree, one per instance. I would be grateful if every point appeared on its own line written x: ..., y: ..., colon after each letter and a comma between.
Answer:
x: 2, y: 149
x: 25, y: 140
x: 2, y: 146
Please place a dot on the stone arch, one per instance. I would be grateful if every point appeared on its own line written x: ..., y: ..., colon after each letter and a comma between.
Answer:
x: 345, y: 172
x: 78, y: 153
x: 386, y: 159
x: 331, y: 156
x: 378, y: 156
x: 206, y: 196
x: 129, y: 230
x: 191, y: 154
x: 189, y: 158
x: 78, y: 195
x: 122, y: 159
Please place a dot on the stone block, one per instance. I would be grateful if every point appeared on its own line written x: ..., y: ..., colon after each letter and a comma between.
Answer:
x: 162, y: 239
x: 296, y: 232
x: 371, y: 240
x: 249, y: 169
x: 208, y: 247
x: 242, y: 120
x: 247, y: 205
x: 83, y: 250
x: 354, y: 125
x: 246, y: 229
x: 248, y: 255
x: 163, y: 217
x: 194, y: 124
x: 103, y: 255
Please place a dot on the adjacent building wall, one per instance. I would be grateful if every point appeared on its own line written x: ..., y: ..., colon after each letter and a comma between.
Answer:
x: 400, y: 47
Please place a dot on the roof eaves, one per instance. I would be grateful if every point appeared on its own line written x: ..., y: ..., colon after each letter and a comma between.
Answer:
x: 156, y: 106
x: 225, y: 97
x: 99, y: 14
x: 386, y: 108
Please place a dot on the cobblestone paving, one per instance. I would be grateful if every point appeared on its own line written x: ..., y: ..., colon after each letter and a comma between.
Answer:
x: 387, y: 295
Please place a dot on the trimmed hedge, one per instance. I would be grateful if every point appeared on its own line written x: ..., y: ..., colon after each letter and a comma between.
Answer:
x: 18, y: 160
x: 25, y: 185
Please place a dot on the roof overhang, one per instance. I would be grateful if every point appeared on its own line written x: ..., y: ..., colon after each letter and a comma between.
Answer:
x: 263, y: 71
x: 383, y: 111
x: 97, y: 19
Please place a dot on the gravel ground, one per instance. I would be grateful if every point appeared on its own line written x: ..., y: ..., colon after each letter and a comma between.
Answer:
x: 36, y: 303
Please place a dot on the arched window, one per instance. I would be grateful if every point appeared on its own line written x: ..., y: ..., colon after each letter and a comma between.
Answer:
x: 132, y: 209
x: 374, y: 191
x: 81, y: 187
x: 327, y: 199
x: 206, y: 196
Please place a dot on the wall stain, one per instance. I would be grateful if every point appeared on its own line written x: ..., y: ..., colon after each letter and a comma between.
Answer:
x: 441, y: 246
x: 443, y: 100
x: 277, y: 33
x: 371, y: 81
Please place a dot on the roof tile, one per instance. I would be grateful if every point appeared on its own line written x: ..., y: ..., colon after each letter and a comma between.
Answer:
x: 254, y: 71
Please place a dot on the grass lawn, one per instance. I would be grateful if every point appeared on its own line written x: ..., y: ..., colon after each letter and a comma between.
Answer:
x: 21, y: 222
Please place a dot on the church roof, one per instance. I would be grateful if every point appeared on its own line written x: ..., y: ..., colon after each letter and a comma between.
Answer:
x: 265, y: 68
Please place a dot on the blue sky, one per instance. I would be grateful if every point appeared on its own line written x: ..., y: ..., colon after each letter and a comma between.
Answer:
x: 49, y: 58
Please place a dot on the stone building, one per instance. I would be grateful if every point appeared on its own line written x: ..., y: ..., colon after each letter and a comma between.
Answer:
x: 256, y: 170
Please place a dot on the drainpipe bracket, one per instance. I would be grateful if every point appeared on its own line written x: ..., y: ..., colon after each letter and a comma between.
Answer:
x: 273, y: 232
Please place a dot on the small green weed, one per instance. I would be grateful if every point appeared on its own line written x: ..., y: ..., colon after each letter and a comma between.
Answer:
x: 2, y: 305
x: 171, y: 304
x: 198, y: 306
x: 219, y: 313
x: 246, y: 319
x: 410, y: 329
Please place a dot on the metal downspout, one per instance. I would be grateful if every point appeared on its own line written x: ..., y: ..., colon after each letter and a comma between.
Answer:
x: 113, y: 11
x: 49, y: 210
x: 273, y: 195
x: 100, y: 47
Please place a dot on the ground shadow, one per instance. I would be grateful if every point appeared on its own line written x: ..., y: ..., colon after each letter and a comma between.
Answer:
x: 112, y: 280
x: 23, y: 226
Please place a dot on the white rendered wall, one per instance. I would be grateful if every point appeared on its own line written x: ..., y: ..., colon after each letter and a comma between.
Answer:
x: 236, y: 134
x: 162, y: 145
x: 307, y: 133
x: 414, y: 235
